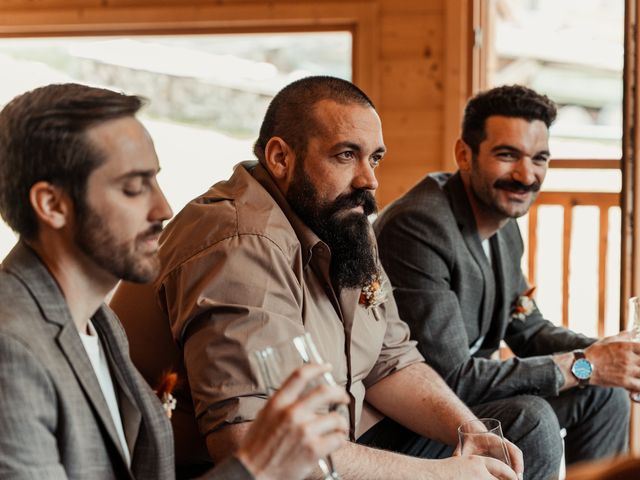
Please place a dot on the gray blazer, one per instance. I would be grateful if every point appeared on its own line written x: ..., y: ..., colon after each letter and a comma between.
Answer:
x: 451, y: 296
x: 54, y: 421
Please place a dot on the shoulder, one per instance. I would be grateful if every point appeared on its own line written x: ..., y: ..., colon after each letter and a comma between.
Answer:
x: 424, y: 208
x: 20, y: 315
x: 238, y: 210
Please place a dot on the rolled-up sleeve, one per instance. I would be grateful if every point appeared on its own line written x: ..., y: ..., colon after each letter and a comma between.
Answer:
x: 235, y: 297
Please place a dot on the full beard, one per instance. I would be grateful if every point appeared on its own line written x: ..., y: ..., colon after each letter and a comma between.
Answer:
x: 120, y: 259
x: 348, y: 234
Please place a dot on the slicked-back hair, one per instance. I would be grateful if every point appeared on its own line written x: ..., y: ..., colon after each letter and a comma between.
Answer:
x: 513, y: 101
x: 291, y: 117
x: 43, y: 138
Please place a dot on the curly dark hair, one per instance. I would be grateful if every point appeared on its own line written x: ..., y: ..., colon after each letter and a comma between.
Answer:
x: 42, y: 138
x: 508, y: 101
x: 290, y: 114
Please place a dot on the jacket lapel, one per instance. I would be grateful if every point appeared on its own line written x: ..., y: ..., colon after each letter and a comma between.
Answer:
x: 73, y: 349
x: 498, y: 325
x: 25, y: 265
x: 129, y: 412
x: 467, y: 224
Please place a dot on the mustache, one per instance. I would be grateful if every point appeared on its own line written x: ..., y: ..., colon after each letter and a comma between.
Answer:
x: 516, y: 186
x: 356, y: 198
x: 154, y: 229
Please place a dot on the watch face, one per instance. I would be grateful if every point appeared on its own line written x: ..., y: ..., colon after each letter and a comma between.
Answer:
x: 582, y: 369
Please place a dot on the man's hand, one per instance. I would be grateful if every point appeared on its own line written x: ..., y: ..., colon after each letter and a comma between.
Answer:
x: 616, y: 362
x: 515, y: 457
x: 472, y: 467
x: 289, y: 436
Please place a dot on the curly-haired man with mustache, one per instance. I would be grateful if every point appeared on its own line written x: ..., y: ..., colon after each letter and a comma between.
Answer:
x: 452, y: 249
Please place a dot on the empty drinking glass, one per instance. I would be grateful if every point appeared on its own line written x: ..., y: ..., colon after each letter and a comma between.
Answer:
x: 277, y: 362
x: 483, y: 437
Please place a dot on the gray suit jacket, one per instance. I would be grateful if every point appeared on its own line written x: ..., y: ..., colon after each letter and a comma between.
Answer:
x: 54, y: 421
x: 451, y: 296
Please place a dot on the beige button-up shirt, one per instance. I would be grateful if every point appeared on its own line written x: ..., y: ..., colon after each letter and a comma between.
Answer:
x: 240, y: 272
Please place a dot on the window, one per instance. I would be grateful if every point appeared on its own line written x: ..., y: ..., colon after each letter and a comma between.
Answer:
x: 572, y: 51
x: 208, y: 93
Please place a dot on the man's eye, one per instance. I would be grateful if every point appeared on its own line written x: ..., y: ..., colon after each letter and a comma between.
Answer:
x: 375, y: 160
x: 348, y: 155
x: 506, y: 155
x: 133, y: 189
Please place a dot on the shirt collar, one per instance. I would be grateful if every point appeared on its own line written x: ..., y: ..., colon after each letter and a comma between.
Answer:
x: 309, y: 241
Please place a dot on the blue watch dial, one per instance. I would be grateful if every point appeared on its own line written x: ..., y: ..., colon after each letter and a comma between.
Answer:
x: 582, y: 369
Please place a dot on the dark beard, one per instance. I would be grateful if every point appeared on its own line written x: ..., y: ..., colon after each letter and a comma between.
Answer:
x: 99, y: 244
x: 348, y: 235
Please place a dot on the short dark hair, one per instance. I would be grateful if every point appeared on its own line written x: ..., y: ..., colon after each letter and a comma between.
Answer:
x: 507, y: 101
x: 290, y: 113
x: 42, y: 138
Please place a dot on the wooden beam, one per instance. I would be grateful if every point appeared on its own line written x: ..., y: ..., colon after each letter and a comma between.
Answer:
x: 566, y: 249
x: 458, y: 41
x: 603, y: 249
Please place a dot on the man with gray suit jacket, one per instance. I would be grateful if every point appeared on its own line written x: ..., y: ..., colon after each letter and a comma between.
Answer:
x: 78, y: 184
x: 452, y: 250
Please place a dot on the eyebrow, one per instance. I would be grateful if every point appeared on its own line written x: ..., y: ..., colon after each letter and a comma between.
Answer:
x: 138, y: 173
x: 356, y: 147
x: 511, y: 148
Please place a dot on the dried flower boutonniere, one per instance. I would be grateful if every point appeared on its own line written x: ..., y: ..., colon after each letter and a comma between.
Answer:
x: 165, y: 392
x: 523, y: 306
x: 373, y: 294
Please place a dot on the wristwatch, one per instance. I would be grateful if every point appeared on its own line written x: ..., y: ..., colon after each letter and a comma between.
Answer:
x: 581, y: 368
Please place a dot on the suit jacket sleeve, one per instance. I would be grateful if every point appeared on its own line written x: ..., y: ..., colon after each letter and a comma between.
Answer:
x: 28, y: 416
x: 417, y: 250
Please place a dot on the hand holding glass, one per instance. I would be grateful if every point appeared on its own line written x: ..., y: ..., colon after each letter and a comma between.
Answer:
x: 633, y: 320
x: 483, y: 437
x: 276, y: 363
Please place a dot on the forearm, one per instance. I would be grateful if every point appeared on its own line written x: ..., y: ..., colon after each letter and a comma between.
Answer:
x: 358, y: 462
x: 419, y: 399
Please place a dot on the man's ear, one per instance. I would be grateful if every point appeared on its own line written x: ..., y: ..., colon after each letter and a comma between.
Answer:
x: 51, y: 204
x: 463, y: 155
x: 279, y: 159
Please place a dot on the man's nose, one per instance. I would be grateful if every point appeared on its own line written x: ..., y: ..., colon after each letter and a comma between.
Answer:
x: 524, y: 171
x: 365, y: 177
x: 161, y: 210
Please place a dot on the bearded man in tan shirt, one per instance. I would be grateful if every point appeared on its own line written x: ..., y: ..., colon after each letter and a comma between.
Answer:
x: 282, y: 248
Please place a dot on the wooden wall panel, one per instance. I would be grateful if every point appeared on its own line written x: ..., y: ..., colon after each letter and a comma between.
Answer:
x: 400, y: 55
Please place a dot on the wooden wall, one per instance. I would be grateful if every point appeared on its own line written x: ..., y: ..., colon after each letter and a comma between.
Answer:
x: 411, y: 56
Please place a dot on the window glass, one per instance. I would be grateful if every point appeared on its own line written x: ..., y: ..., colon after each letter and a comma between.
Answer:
x: 208, y: 93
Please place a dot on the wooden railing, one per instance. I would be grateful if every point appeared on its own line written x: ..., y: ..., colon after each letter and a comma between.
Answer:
x: 568, y: 200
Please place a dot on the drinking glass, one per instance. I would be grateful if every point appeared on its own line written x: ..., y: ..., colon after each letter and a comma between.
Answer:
x: 633, y: 322
x: 277, y: 362
x: 483, y: 437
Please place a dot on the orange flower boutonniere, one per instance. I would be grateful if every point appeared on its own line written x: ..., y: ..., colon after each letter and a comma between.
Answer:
x: 373, y: 293
x: 165, y: 392
x: 523, y: 306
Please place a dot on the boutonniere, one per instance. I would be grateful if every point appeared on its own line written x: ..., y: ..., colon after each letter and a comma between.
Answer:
x: 165, y: 392
x: 523, y: 306
x: 373, y: 293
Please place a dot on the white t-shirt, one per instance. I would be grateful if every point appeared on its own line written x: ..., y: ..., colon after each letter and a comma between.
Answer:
x: 100, y: 365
